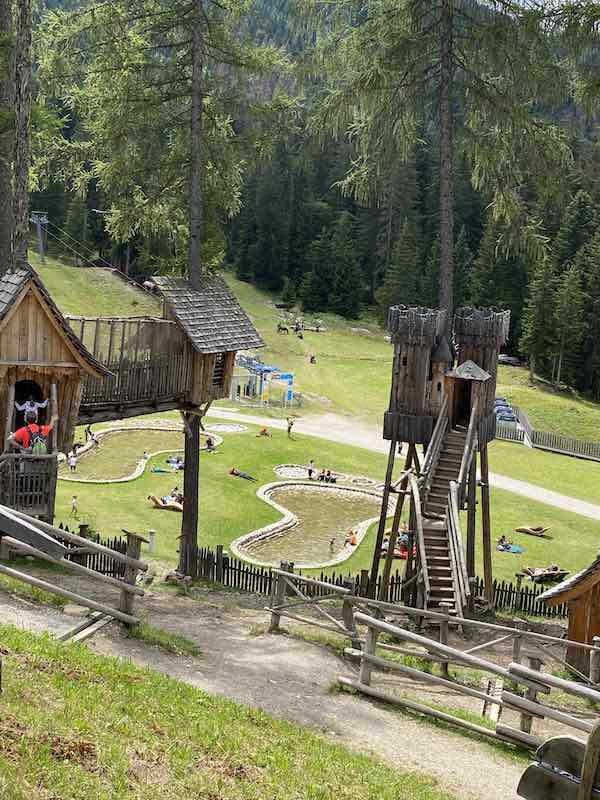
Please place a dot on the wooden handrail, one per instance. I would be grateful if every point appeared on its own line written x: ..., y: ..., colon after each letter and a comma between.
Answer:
x: 465, y: 464
x: 435, y: 446
x: 459, y: 569
x: 420, y: 536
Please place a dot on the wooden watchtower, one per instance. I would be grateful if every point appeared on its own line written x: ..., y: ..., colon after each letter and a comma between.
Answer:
x: 40, y: 358
x: 442, y: 401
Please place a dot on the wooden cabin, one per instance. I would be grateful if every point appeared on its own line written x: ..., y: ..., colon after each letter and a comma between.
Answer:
x: 216, y: 328
x: 40, y: 359
x: 581, y: 593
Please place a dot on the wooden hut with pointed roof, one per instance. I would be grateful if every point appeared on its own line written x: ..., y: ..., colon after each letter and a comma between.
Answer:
x: 40, y: 358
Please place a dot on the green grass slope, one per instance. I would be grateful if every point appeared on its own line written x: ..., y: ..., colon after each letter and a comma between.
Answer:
x: 77, y: 726
x: 93, y: 291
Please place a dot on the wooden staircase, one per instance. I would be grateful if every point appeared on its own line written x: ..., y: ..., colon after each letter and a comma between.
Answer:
x: 435, y: 524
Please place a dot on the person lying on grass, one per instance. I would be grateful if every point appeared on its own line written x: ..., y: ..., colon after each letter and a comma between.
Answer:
x: 264, y: 432
x: 236, y: 473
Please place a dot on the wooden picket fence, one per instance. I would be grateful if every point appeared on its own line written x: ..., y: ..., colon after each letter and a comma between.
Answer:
x: 219, y: 567
x: 98, y: 561
x: 521, y: 599
x: 509, y: 433
x: 544, y: 440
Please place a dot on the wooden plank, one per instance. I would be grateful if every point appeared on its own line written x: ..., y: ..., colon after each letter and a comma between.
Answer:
x: 542, y: 711
x: 71, y: 537
x: 311, y: 581
x: 27, y: 530
x: 417, y: 707
x: 76, y: 598
x: 513, y: 735
x: 518, y: 671
x: 565, y: 754
x: 75, y: 567
x: 418, y: 675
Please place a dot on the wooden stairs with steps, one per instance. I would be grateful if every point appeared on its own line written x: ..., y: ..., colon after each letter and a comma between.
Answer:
x: 434, y: 523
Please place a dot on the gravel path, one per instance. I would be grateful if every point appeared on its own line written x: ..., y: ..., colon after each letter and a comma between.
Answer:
x: 345, y: 431
x: 292, y: 680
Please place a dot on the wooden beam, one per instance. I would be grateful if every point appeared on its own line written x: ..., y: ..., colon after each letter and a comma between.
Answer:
x: 382, y: 518
x: 10, y: 410
x: 389, y: 557
x: 472, y: 516
x: 188, y: 544
x: 486, y: 525
x: 76, y: 598
x: 29, y: 531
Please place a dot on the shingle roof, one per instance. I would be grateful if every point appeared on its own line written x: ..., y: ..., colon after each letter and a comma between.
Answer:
x: 572, y: 582
x: 11, y: 286
x: 211, y: 316
x: 470, y: 371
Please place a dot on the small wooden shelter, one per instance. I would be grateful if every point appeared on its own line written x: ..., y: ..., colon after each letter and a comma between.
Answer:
x: 40, y: 358
x: 464, y: 387
x: 581, y: 592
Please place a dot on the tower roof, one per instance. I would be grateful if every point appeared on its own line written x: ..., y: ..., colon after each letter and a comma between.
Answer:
x: 442, y: 354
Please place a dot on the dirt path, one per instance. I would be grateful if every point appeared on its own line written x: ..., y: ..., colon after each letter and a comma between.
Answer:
x: 292, y: 680
x: 345, y: 431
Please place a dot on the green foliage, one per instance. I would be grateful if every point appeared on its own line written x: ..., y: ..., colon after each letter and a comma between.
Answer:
x: 539, y: 334
x: 401, y: 284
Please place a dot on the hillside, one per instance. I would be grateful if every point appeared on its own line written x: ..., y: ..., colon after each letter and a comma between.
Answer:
x: 93, y: 291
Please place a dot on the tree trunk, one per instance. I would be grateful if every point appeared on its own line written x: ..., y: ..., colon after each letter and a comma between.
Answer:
x: 191, y: 479
x: 446, y: 288
x: 559, y: 366
x: 23, y: 114
x: 7, y: 122
x: 195, y: 265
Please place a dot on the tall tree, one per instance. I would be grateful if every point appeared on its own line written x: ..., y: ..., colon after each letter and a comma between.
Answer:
x: 538, y: 339
x: 401, y: 285
x: 346, y: 291
x: 569, y: 316
x: 22, y: 157
x: 476, y: 73
x: 7, y: 126
x: 577, y: 227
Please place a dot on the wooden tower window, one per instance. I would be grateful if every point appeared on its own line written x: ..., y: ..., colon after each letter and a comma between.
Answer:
x: 219, y: 370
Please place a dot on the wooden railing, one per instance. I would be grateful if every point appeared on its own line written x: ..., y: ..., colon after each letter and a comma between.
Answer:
x: 470, y: 447
x: 125, y: 584
x: 433, y: 451
x: 460, y: 576
x: 28, y: 483
x: 423, y: 580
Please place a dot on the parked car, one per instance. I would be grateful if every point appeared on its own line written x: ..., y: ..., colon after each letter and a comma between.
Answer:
x: 507, y: 418
x: 511, y: 361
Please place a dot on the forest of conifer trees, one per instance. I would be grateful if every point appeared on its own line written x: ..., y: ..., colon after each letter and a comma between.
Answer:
x: 355, y: 158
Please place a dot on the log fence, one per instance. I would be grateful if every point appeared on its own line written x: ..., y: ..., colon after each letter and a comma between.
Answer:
x: 521, y: 686
x: 70, y: 546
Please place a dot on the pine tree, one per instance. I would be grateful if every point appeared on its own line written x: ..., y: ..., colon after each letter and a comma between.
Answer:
x: 538, y: 340
x: 346, y: 291
x: 316, y: 284
x: 431, y: 276
x: 401, y: 282
x: 569, y: 320
x: 288, y: 295
x: 578, y: 226
x: 77, y: 226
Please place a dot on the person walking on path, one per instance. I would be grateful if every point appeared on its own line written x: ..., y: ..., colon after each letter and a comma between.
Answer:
x: 74, y: 509
x: 72, y: 461
x: 311, y: 469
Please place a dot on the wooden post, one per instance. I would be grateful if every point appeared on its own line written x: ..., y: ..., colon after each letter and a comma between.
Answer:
x: 134, y: 550
x: 526, y: 720
x: 385, y: 578
x: 382, y: 519
x: 444, y: 628
x: 472, y: 516
x: 595, y: 661
x: 364, y: 583
x: 54, y: 415
x: 517, y: 642
x: 486, y: 525
x: 348, y: 613
x: 277, y: 597
x: 10, y: 410
x: 219, y: 565
x: 369, y: 649
x: 191, y: 480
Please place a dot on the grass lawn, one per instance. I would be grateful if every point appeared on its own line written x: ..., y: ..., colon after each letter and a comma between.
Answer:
x: 77, y: 726
x: 229, y: 506
x: 575, y: 477
x: 93, y: 291
x: 119, y: 453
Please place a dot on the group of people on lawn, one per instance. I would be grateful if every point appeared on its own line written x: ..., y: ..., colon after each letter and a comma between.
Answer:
x: 325, y: 475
